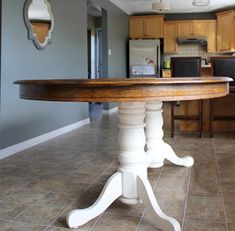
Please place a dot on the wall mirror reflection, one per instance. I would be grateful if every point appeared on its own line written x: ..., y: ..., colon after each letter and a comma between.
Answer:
x: 40, y: 22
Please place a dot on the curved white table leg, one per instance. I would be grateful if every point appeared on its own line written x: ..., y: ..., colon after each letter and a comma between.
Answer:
x: 112, y: 190
x: 128, y: 182
x: 157, y: 149
x: 170, y: 155
x: 147, y: 196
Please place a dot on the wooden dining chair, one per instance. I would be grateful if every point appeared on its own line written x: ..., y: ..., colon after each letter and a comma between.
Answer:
x: 221, y: 66
x: 186, y: 67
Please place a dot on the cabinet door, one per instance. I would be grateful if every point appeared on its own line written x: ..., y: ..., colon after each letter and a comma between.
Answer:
x: 41, y: 30
x: 184, y: 28
x: 211, y: 36
x: 225, y: 32
x: 136, y: 29
x: 153, y: 27
x: 170, y: 33
x: 199, y: 28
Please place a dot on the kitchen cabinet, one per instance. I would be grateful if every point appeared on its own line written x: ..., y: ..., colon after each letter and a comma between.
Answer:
x: 170, y: 35
x: 184, y: 28
x: 146, y: 27
x: 41, y: 30
x: 166, y: 73
x: 199, y: 27
x: 211, y: 36
x: 225, y: 31
x: 192, y: 28
x: 205, y: 28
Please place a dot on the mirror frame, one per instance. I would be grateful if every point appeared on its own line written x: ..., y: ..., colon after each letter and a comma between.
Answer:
x: 31, y: 35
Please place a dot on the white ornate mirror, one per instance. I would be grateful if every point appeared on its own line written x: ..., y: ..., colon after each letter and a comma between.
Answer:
x: 40, y: 21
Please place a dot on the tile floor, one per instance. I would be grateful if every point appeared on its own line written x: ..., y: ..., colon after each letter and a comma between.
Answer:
x: 39, y: 186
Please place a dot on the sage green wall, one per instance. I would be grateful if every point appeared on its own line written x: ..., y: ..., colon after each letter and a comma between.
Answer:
x: 65, y: 57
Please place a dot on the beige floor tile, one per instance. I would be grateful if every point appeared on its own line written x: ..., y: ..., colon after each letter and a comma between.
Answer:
x: 153, y: 175
x: 230, y: 213
x: 17, y: 226
x: 24, y: 196
x: 11, y: 184
x: 229, y: 198
x: 231, y: 226
x: 173, y: 177
x: 2, y: 223
x: 43, y: 185
x: 89, y: 196
x: 60, y: 229
x: 60, y: 223
x: 73, y: 191
x: 116, y: 223
x: 8, y: 210
x: 170, y: 196
x: 204, y: 188
x: 39, y: 214
x: 147, y: 224
x: 227, y: 175
x: 204, y: 226
x: 228, y: 186
x: 174, y: 209
x: 225, y: 148
x: 226, y: 160
x: 204, y: 182
x: 118, y: 208
x: 205, y: 208
x: 72, y: 169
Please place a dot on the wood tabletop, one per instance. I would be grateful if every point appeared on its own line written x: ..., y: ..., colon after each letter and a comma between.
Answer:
x: 124, y: 89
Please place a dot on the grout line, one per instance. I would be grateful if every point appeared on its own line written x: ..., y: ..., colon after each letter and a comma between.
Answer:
x: 206, y: 221
x: 33, y: 180
x: 46, y: 193
x: 21, y: 222
x: 38, y: 201
x: 220, y: 185
x: 97, y: 221
x: 186, y: 200
x: 71, y: 204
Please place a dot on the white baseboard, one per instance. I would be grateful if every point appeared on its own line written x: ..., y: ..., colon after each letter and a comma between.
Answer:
x: 9, y: 151
x: 110, y: 111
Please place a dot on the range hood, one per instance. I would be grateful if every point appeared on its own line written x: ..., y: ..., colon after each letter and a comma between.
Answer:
x: 192, y: 40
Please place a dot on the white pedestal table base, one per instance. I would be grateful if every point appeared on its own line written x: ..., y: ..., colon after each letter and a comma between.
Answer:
x: 130, y: 183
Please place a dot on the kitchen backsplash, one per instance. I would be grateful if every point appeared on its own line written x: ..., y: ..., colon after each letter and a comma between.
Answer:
x: 190, y: 50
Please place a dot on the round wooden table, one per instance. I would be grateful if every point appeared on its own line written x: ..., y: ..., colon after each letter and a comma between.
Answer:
x: 140, y: 136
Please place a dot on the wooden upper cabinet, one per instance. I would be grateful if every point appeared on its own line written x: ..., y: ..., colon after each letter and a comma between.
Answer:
x: 226, y: 31
x: 146, y: 27
x: 41, y: 30
x: 211, y: 36
x: 192, y: 28
x: 205, y: 28
x: 136, y: 29
x: 170, y: 35
x: 199, y: 28
x: 184, y: 28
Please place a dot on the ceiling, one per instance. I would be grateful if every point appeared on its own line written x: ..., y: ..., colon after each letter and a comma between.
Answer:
x: 177, y: 6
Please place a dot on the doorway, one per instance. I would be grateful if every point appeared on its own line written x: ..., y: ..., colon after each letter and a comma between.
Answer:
x: 94, y: 54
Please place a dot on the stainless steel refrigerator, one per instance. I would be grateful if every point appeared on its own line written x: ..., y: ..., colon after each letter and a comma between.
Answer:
x: 145, y: 58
